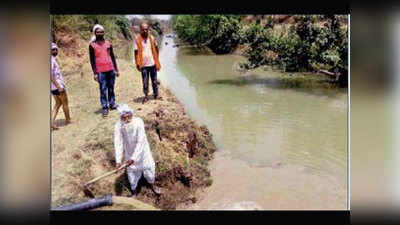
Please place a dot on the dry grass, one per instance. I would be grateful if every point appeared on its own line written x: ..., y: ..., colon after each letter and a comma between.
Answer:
x: 84, y: 149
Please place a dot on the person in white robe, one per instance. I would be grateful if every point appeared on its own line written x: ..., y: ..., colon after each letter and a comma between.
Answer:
x: 130, y: 142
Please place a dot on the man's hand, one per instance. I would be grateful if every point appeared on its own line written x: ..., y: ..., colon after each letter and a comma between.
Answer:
x: 116, y: 73
x: 60, y: 89
x: 138, y: 68
x: 96, y: 77
x: 129, y: 162
x: 117, y: 167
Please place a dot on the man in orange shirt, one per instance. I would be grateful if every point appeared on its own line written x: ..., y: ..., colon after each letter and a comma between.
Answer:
x: 147, y: 62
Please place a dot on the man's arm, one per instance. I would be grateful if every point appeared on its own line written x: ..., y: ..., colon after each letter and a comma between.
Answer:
x: 141, y: 140
x: 53, y: 79
x: 135, y: 48
x: 113, y: 58
x: 136, y: 52
x: 93, y: 61
x: 118, y: 145
x: 156, y: 45
x: 56, y: 83
x: 137, y: 66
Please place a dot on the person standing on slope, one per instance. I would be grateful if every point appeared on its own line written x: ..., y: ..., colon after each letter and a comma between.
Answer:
x: 104, y: 68
x: 147, y: 62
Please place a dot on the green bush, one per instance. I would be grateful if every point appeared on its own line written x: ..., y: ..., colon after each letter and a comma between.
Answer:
x: 114, y: 25
x: 299, y: 48
x: 221, y: 33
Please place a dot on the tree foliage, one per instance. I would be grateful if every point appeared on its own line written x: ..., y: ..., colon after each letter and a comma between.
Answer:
x: 83, y: 24
x: 305, y: 46
x: 221, y: 33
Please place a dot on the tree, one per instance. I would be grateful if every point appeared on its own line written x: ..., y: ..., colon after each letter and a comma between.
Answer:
x: 221, y: 33
x: 305, y: 46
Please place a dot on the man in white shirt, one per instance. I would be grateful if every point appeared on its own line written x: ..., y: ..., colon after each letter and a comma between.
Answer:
x: 130, y: 142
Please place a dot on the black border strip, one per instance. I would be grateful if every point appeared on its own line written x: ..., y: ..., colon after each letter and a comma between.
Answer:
x: 199, y: 7
x: 308, y: 217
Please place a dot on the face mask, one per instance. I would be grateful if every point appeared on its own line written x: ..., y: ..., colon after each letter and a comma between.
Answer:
x: 100, y: 37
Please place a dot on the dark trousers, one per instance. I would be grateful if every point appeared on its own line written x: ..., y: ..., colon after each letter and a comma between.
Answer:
x: 106, y: 81
x: 152, y: 72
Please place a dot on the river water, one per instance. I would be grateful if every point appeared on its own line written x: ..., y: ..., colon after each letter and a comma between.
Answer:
x: 278, y: 148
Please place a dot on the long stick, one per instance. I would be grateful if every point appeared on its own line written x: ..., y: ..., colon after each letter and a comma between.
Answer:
x: 106, y: 174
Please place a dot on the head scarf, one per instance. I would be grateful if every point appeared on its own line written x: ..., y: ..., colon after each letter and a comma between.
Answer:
x: 97, y: 26
x: 53, y: 46
x: 124, y: 108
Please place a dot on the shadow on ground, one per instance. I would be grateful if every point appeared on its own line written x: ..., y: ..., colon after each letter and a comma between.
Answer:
x: 98, y: 111
x: 61, y: 122
x: 140, y: 99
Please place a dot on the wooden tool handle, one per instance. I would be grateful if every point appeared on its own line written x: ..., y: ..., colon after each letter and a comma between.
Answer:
x: 106, y: 174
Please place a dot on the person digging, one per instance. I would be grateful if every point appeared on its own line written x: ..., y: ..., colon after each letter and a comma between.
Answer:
x: 130, y: 142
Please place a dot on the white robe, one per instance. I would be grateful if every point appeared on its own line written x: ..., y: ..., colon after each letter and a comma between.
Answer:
x: 130, y: 141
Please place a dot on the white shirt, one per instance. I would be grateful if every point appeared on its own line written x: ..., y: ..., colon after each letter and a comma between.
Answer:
x: 147, y: 54
x: 130, y: 141
x: 56, y: 73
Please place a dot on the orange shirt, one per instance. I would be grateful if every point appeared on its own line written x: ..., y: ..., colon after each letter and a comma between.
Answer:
x: 147, y: 53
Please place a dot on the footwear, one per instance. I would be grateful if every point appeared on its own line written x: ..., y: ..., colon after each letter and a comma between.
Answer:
x: 156, y: 190
x: 114, y: 107
x: 133, y: 196
x: 157, y: 97
x: 145, y: 99
x: 105, y: 112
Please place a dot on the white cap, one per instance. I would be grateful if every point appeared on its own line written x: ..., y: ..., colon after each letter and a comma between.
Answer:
x: 124, y: 108
x: 97, y: 26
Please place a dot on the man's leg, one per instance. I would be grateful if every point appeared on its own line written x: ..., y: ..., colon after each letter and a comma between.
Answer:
x: 103, y: 92
x: 153, y: 75
x: 64, y: 100
x: 133, y: 177
x: 55, y: 111
x: 145, y: 80
x: 110, y: 87
x: 149, y: 174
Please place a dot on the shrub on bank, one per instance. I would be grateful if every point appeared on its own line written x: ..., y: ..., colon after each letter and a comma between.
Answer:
x: 306, y: 45
x: 114, y: 25
x: 221, y: 33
